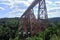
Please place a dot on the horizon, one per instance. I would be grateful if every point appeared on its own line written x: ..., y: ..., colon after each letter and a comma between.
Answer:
x: 19, y: 17
x: 14, y: 8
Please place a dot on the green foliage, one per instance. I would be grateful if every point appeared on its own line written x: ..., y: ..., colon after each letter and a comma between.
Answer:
x: 52, y: 33
x: 9, y: 31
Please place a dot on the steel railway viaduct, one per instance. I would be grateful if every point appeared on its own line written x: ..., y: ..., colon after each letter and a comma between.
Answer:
x: 29, y: 24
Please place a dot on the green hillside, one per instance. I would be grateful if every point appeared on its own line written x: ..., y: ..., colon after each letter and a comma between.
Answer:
x: 9, y: 31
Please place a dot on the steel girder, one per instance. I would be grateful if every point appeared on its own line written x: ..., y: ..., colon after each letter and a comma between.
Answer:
x: 31, y: 25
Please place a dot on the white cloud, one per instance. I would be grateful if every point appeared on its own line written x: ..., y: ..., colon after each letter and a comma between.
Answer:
x: 53, y: 14
x: 8, y: 3
x: 58, y: 2
x: 14, y: 2
x: 27, y: 2
x: 48, y: 2
x: 1, y: 9
x: 52, y: 5
x: 3, y: 0
x: 15, y: 10
x: 24, y: 2
x: 18, y: 12
x: 53, y: 8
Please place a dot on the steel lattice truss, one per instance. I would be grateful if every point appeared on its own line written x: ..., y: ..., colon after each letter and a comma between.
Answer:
x: 31, y: 25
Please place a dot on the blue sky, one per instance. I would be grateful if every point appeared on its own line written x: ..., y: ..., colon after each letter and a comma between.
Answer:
x: 15, y: 8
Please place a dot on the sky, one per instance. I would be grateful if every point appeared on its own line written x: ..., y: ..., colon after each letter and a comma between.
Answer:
x: 15, y: 8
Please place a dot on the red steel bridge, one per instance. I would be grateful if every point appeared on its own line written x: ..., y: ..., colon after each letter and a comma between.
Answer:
x: 31, y: 25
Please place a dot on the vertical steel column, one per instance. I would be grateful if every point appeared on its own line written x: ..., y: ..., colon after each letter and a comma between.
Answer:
x: 42, y: 10
x: 42, y: 13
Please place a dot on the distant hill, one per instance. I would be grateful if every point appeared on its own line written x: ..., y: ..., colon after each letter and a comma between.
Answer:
x: 8, y: 20
x: 56, y: 19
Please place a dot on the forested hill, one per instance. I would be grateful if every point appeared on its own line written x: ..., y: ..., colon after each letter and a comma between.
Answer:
x: 8, y: 19
x: 9, y: 30
x: 50, y: 19
x: 56, y: 19
x: 4, y: 19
